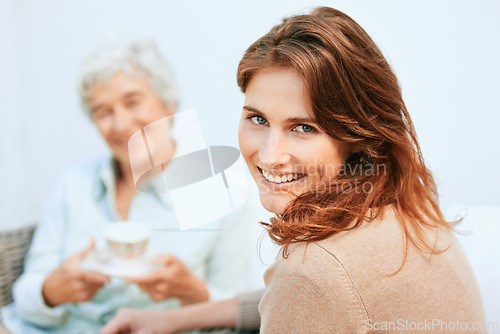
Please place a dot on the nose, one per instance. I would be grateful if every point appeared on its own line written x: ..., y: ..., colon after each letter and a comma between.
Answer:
x: 275, y: 150
x: 122, y: 121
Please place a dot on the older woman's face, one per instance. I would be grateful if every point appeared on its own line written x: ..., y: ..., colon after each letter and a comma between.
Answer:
x: 283, y: 146
x: 123, y: 105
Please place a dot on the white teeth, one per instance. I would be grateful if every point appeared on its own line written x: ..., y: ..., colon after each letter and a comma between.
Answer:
x: 280, y: 179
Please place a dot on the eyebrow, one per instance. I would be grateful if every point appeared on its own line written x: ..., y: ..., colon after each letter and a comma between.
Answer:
x: 132, y: 94
x: 289, y: 120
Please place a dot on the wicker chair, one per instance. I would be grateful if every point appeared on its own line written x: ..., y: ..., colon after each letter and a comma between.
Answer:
x: 13, y: 247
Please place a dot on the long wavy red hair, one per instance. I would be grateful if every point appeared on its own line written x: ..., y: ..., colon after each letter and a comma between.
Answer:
x: 356, y: 99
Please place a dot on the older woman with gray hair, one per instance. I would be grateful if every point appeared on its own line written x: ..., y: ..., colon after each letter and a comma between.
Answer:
x: 123, y: 88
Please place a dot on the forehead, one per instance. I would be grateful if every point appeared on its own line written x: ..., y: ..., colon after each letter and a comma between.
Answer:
x: 278, y: 93
x: 118, y: 85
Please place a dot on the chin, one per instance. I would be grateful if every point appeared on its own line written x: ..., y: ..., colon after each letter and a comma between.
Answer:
x: 274, y: 203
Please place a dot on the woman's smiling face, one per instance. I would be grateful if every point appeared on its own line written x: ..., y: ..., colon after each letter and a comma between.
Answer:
x: 123, y: 105
x: 285, y: 149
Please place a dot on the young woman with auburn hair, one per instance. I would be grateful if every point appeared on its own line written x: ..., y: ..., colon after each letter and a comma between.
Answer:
x: 356, y: 99
x: 327, y: 137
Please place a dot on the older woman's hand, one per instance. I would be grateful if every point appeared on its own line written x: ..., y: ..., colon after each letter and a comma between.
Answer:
x: 174, y: 281
x: 142, y: 321
x: 202, y: 315
x: 70, y: 283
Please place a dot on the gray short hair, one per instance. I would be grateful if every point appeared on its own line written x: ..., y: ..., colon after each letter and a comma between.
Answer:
x: 141, y: 58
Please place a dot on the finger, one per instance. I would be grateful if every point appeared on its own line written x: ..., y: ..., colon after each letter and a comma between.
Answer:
x: 160, y: 292
x: 92, y: 290
x: 116, y: 325
x: 91, y: 277
x: 144, y: 288
x: 148, y: 279
x: 158, y: 296
x: 86, y: 292
x: 80, y: 256
x: 165, y: 260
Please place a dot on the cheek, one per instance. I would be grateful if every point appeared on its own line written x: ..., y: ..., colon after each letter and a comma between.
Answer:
x: 324, y: 158
x: 144, y: 117
x: 247, y: 142
x: 104, y: 127
x: 149, y: 112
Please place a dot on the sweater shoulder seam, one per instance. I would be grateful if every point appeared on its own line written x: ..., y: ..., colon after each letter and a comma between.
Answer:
x: 347, y: 277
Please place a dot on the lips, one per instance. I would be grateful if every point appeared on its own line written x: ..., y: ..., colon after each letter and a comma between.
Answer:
x: 121, y: 142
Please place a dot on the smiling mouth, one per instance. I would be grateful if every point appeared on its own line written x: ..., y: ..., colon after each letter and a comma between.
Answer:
x: 283, y: 178
x: 121, y: 142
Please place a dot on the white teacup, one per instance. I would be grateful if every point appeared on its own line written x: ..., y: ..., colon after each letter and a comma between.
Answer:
x: 126, y: 239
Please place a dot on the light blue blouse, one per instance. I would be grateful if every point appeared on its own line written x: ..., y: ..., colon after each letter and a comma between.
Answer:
x: 82, y: 204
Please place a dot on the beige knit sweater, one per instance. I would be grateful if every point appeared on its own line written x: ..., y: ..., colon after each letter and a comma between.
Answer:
x: 344, y: 285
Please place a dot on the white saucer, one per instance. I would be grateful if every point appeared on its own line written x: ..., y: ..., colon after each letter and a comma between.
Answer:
x: 102, y: 262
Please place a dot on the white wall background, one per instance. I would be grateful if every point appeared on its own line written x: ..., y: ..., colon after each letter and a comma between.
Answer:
x: 445, y: 54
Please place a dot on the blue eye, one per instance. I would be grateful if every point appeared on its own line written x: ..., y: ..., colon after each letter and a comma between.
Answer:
x: 305, y: 128
x: 259, y: 120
